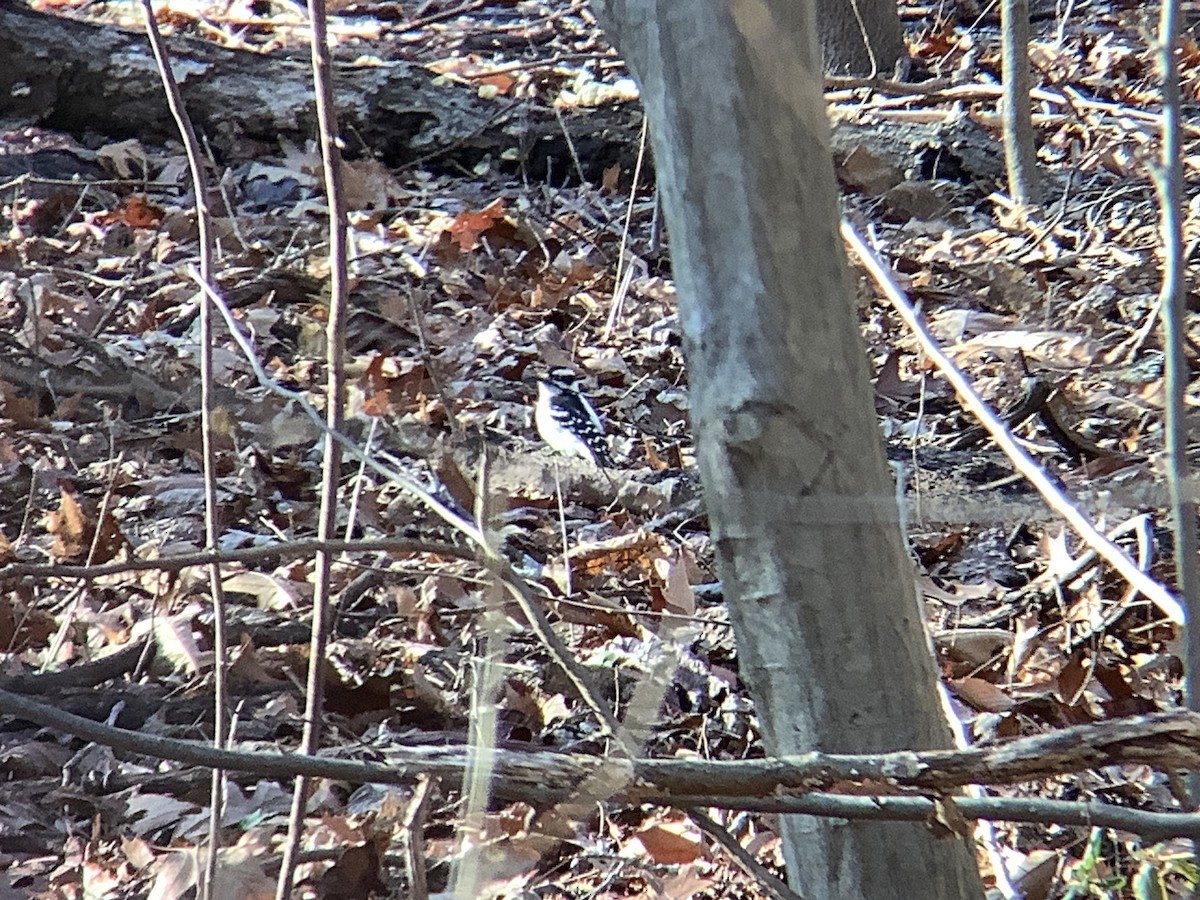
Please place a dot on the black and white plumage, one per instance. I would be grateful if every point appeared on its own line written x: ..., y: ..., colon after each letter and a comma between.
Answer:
x: 567, y: 422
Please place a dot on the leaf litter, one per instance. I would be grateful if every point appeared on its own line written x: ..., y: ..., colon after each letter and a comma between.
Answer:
x: 463, y: 284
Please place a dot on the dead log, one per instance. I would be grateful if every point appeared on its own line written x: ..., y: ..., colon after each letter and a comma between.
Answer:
x: 84, y: 79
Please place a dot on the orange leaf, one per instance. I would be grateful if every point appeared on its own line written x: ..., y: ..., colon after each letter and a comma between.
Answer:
x: 468, y: 226
x: 500, y: 82
x: 136, y: 212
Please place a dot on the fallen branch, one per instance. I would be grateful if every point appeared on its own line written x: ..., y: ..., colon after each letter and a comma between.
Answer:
x: 806, y: 783
x: 283, y: 549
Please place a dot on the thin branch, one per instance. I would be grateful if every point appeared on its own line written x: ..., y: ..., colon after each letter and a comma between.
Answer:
x: 1021, y: 460
x: 335, y: 401
x: 176, y: 562
x: 83, y: 675
x: 932, y: 89
x: 469, y: 869
x: 207, y: 431
x: 1173, y: 308
x: 431, y: 367
x: 1151, y: 826
x: 742, y: 856
x: 621, y: 278
x: 414, y: 840
x: 1020, y: 152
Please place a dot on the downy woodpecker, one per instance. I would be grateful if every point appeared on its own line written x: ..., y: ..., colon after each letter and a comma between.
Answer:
x: 567, y: 422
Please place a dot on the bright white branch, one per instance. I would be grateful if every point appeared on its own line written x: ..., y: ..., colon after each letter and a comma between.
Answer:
x: 1022, y: 461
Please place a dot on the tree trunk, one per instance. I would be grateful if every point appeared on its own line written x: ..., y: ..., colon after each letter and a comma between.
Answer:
x: 860, y: 37
x: 815, y: 572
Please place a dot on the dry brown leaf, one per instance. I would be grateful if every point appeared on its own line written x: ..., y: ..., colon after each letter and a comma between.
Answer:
x: 672, y: 592
x: 981, y: 695
x: 74, y: 528
x: 1049, y: 347
x: 240, y: 876
x: 99, y: 880
x: 1074, y: 677
x: 871, y: 174
x: 135, y: 211
x: 355, y: 876
x: 889, y: 385
x: 671, y: 842
x: 72, y: 537
x: 603, y: 612
x: 23, y: 412
x: 137, y: 852
x: 247, y: 669
x: 947, y: 814
x: 635, y: 549
x: 23, y: 627
x: 31, y: 759
x: 657, y: 463
x: 269, y: 591
x: 973, y: 646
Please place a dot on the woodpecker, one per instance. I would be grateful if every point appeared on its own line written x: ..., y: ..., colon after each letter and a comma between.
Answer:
x: 567, y: 422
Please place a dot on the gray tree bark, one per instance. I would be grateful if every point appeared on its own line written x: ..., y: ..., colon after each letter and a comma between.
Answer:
x: 1020, y: 148
x: 812, y: 559
x: 860, y: 37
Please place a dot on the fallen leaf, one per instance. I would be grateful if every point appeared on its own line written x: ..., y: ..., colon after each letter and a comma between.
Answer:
x: 671, y: 842
x: 470, y: 225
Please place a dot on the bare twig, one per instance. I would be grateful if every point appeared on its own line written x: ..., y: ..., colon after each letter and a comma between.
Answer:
x: 82, y: 675
x: 178, y: 561
x: 621, y: 279
x: 431, y: 367
x: 931, y: 88
x: 1173, y: 307
x: 335, y: 393
x: 470, y: 870
x: 562, y: 531
x: 207, y: 410
x: 741, y: 856
x: 1021, y: 460
x: 466, y: 878
x: 414, y: 842
x: 443, y: 15
x: 1020, y: 154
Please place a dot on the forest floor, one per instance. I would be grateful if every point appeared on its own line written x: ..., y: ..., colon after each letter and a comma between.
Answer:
x: 465, y: 284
